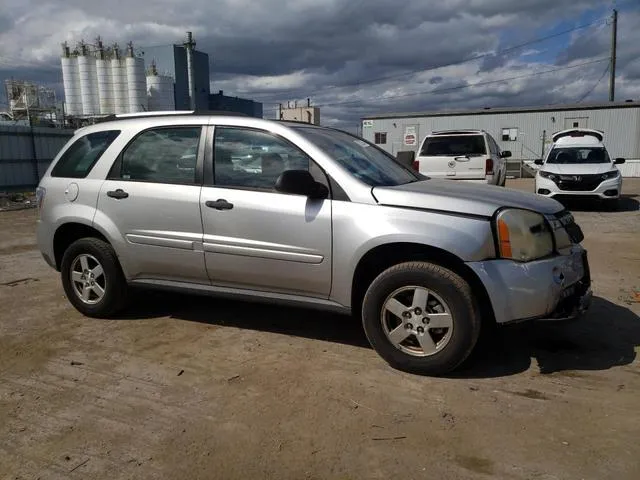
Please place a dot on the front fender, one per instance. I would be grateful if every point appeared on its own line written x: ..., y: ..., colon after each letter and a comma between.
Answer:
x: 468, y: 238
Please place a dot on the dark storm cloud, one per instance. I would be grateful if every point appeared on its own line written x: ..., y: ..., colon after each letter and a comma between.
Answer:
x: 335, y: 52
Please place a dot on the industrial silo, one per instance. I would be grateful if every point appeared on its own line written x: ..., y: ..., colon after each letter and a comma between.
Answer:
x: 160, y: 91
x: 119, y: 83
x: 71, y: 82
x: 88, y: 83
x: 136, y: 82
x: 105, y: 86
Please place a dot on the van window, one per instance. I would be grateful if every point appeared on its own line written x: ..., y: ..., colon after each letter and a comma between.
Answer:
x: 83, y: 154
x: 452, y: 145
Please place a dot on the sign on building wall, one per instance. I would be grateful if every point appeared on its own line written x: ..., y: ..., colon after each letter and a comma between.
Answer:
x: 410, y: 136
x: 367, y: 123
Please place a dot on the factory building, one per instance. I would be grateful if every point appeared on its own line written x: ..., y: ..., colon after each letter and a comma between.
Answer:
x: 305, y: 113
x: 173, y: 61
x: 525, y: 131
x: 220, y: 102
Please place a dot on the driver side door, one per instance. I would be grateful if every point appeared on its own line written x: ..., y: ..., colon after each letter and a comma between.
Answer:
x: 255, y: 237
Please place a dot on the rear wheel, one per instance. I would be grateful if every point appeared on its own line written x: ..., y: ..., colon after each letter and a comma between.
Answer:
x: 421, y: 318
x: 92, y: 278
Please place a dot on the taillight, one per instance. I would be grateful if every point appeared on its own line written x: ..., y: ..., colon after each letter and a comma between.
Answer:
x: 489, y: 166
x: 416, y: 165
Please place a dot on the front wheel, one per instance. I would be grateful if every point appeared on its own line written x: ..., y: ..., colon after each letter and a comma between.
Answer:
x: 92, y: 278
x: 421, y: 318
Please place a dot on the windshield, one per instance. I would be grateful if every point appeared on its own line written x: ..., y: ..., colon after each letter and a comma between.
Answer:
x: 453, y: 145
x: 573, y: 155
x: 362, y: 159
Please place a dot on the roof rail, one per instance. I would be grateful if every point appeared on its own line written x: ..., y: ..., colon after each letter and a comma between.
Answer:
x: 154, y: 113
x: 124, y: 116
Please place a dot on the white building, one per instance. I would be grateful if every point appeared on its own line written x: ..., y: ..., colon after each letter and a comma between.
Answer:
x: 525, y: 131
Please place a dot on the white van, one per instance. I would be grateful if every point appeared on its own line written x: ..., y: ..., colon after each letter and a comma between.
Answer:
x: 578, y: 165
x: 471, y: 155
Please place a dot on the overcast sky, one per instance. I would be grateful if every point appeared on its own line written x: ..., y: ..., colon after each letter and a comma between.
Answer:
x: 336, y: 51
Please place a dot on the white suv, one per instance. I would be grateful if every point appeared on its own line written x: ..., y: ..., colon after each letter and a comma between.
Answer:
x: 471, y: 155
x: 578, y: 165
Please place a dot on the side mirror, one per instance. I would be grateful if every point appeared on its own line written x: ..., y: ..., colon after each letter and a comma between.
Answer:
x: 538, y: 161
x: 301, y: 182
x: 505, y: 154
x: 619, y: 161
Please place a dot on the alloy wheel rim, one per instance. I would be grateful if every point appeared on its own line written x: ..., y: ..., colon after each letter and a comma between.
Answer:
x: 417, y: 321
x: 88, y: 279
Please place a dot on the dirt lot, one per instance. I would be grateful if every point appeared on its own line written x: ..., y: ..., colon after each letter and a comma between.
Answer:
x: 191, y: 387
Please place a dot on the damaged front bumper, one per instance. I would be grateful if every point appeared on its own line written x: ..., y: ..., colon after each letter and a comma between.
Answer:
x: 554, y: 289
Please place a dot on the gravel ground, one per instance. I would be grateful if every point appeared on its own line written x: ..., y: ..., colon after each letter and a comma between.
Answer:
x: 194, y: 387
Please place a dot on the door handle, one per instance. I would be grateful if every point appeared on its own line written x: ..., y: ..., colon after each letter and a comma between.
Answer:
x: 117, y: 194
x: 463, y: 158
x: 220, y: 204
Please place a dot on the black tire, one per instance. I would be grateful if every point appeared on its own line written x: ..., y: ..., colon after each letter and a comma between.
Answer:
x: 454, y: 290
x: 115, y: 285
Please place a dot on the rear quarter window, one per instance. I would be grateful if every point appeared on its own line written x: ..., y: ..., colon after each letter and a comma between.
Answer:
x: 83, y: 154
x: 453, y: 145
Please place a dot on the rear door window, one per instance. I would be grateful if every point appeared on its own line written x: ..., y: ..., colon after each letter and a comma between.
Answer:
x: 162, y: 155
x: 453, y: 145
x: 83, y: 154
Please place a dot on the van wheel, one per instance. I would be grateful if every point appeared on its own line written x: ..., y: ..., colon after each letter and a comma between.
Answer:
x: 92, y: 278
x: 421, y: 318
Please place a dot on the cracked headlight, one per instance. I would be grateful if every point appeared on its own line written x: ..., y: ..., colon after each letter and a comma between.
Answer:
x: 523, y: 235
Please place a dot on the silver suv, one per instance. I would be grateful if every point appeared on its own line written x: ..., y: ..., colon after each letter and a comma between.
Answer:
x: 304, y: 215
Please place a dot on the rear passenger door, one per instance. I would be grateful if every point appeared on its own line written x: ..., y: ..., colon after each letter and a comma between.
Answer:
x: 151, y: 201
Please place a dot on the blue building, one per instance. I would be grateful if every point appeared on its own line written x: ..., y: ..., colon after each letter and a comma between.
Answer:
x: 171, y: 60
x: 220, y: 102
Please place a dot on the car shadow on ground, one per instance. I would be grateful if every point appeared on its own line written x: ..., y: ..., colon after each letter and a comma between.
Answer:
x: 606, y: 337
x: 626, y: 203
x: 284, y: 320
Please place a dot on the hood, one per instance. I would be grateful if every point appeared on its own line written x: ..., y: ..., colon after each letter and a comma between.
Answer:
x: 577, y: 168
x: 457, y: 196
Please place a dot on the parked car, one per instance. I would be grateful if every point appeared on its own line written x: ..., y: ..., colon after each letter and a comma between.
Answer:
x: 471, y: 155
x: 329, y: 221
x: 578, y: 165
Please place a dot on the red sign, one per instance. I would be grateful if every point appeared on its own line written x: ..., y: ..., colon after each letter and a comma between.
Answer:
x: 410, y: 139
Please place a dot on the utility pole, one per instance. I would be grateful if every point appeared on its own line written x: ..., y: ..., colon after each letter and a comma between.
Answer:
x: 612, y: 70
x: 189, y: 46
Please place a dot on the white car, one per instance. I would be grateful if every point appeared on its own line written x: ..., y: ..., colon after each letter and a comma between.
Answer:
x: 578, y: 165
x: 471, y: 155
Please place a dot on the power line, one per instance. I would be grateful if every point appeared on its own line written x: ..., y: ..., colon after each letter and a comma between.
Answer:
x: 452, y: 63
x: 588, y: 92
x: 478, y: 84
